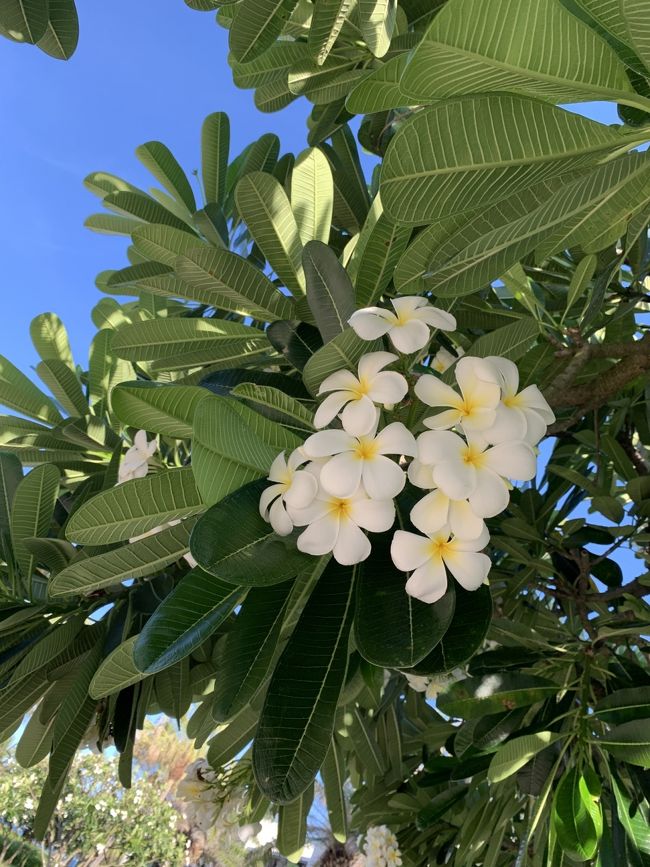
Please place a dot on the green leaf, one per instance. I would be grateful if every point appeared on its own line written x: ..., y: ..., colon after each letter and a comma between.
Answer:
x: 18, y: 699
x: 334, y: 773
x: 518, y: 752
x: 32, y: 511
x: 629, y: 742
x: 466, y: 633
x: 270, y: 67
x: 24, y: 20
x: 284, y: 409
x: 226, y: 280
x: 50, y: 338
x: 577, y: 816
x: 233, y: 542
x: 62, y: 33
x: 544, y: 52
x: 142, y: 206
x: 296, y: 341
x: 426, y: 175
x: 233, y: 445
x: 582, y: 277
x: 476, y: 696
x: 117, y: 672
x: 510, y: 341
x: 632, y: 820
x: 377, y: 24
x: 376, y: 261
x: 135, y: 507
x: 162, y: 164
x: 624, y: 705
x: 292, y: 826
x: 232, y: 739
x: 635, y: 15
x: 162, y: 408
x: 330, y: 293
x: 191, y: 613
x: 35, y: 742
x: 344, y: 351
x: 47, y: 648
x: 256, y: 26
x: 328, y: 18
x: 161, y: 244
x: 20, y: 394
x: 297, y: 720
x: 265, y: 208
x: 380, y: 91
x: 64, y: 385
x: 312, y: 195
x: 392, y: 629
x: 246, y: 651
x: 215, y: 148
x: 135, y: 560
x: 11, y: 474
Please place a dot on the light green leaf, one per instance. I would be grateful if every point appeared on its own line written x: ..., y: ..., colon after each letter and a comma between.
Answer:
x: 312, y: 195
x: 162, y: 164
x: 135, y: 507
x: 426, y: 174
x: 629, y: 742
x: 290, y: 411
x: 256, y: 26
x: 270, y: 67
x: 32, y: 511
x: 476, y: 696
x: 344, y: 351
x: 64, y: 385
x: 60, y: 636
x: 11, y: 474
x: 330, y: 293
x: 232, y: 739
x: 224, y: 279
x: 215, y: 148
x: 16, y: 700
x: 292, y: 826
x: 377, y: 24
x: 116, y: 672
x: 516, y: 753
x: 582, y: 277
x: 163, y: 243
x: 577, y: 816
x: 20, y: 394
x: 334, y: 773
x: 327, y: 20
x: 265, y: 208
x: 233, y: 445
x: 62, y: 33
x: 380, y: 91
x: 377, y: 259
x: 142, y: 206
x: 510, y: 341
x: 544, y: 51
x: 635, y: 14
x: 111, y: 224
x: 35, y: 742
x: 162, y: 408
x: 134, y: 560
x: 50, y: 338
x: 624, y: 705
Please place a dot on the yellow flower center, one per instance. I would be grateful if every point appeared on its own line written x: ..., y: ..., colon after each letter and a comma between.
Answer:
x: 362, y: 388
x: 366, y: 450
x: 474, y: 456
x: 440, y: 547
x: 340, y: 507
x: 512, y: 400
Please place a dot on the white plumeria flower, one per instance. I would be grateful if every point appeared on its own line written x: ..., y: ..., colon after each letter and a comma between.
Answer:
x: 362, y: 459
x: 336, y: 524
x: 443, y: 359
x: 521, y: 415
x: 441, y: 682
x: 474, y: 408
x: 407, y: 328
x: 437, y: 510
x: 357, y: 395
x: 470, y: 470
x: 427, y: 556
x: 417, y: 682
x: 292, y: 489
x: 135, y: 463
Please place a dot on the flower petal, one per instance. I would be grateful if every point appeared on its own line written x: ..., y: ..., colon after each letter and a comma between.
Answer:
x: 409, y: 551
x: 532, y: 398
x: 535, y: 427
x: 444, y: 420
x: 278, y: 471
x: 320, y: 537
x: 330, y: 407
x: 469, y: 569
x: 434, y: 392
x: 297, y: 458
x: 383, y: 478
x: 458, y: 480
x: 477, y: 544
x: 314, y: 512
x: 352, y: 545
x: 463, y: 522
x: 372, y: 362
x: 388, y: 387
x: 372, y: 322
x: 431, y: 512
x: 407, y: 304
x: 479, y: 420
x: 473, y: 376
x: 396, y: 439
x: 359, y: 416
x: 429, y: 582
x: 279, y: 519
x: 377, y: 516
x: 491, y: 495
x: 420, y: 475
x: 509, y: 424
x: 508, y: 373
x: 410, y: 337
x: 328, y: 442
x: 437, y: 318
x: 342, y: 380
x: 435, y: 447
x: 341, y: 476
x: 513, y: 460
x: 302, y: 491
x: 268, y: 495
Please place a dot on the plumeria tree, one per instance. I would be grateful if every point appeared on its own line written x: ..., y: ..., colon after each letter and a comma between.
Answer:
x: 353, y: 459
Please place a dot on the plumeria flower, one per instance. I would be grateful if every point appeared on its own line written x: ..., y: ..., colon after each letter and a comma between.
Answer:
x: 470, y: 470
x: 436, y: 511
x: 474, y: 408
x: 293, y: 488
x: 521, y: 415
x: 357, y: 395
x: 135, y: 463
x: 336, y: 524
x: 358, y: 459
x: 443, y: 359
x: 407, y: 328
x: 427, y: 556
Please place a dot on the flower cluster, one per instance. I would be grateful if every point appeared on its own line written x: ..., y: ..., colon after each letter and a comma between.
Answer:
x: 381, y: 848
x: 343, y: 481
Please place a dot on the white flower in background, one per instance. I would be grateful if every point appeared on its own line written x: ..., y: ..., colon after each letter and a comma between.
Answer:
x: 292, y: 488
x: 135, y: 463
x: 431, y: 685
x: 408, y: 328
x: 474, y: 408
x: 436, y: 510
x: 357, y: 395
x: 521, y: 415
x: 443, y: 359
x: 362, y: 459
x: 197, y: 792
x: 381, y: 848
x: 417, y: 682
x: 470, y: 470
x: 427, y: 556
x: 336, y: 524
